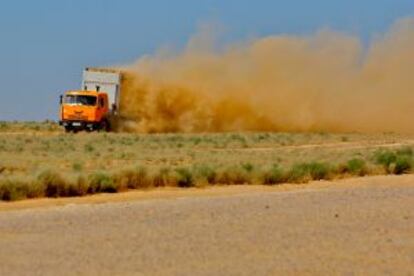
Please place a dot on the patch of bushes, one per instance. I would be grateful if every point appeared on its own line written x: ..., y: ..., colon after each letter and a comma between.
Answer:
x: 304, y: 172
x: 78, y: 188
x: 31, y: 126
x: 4, y: 126
x: 274, y: 175
x: 163, y: 178
x: 319, y: 171
x: 77, y: 166
x: 356, y: 166
x: 185, y: 178
x: 403, y: 165
x: 399, y: 161
x: 234, y: 175
x: 298, y: 174
x: 133, y: 179
x: 385, y: 158
x: 13, y: 190
x: 51, y: 184
x: 248, y: 167
x: 206, y: 173
x: 48, y: 183
x: 101, y: 183
x: 89, y: 148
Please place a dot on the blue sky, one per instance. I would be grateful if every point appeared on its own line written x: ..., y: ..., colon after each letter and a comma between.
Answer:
x: 44, y: 44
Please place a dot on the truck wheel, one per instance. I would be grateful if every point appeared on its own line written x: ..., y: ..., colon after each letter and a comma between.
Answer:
x: 104, y: 126
x: 68, y: 129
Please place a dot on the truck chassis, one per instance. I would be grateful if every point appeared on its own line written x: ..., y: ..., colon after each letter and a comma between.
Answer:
x: 76, y: 126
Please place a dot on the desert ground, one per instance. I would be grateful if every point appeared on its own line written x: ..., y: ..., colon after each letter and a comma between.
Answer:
x: 358, y: 226
x: 205, y: 204
x: 39, y: 160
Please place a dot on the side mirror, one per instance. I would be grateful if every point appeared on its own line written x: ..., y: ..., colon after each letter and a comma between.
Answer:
x: 61, y: 99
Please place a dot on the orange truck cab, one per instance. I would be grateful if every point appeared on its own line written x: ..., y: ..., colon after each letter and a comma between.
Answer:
x: 84, y: 110
x: 92, y: 107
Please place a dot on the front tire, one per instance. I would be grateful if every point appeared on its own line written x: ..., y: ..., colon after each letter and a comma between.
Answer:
x: 104, y: 126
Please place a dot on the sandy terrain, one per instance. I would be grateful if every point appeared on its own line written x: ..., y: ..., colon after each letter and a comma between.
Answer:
x: 354, y: 227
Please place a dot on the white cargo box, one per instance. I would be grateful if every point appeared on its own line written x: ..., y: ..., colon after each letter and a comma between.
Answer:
x: 103, y: 80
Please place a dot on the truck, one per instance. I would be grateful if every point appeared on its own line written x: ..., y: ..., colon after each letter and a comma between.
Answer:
x: 95, y: 105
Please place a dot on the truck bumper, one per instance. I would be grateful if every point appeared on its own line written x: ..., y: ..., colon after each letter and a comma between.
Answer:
x: 79, y: 125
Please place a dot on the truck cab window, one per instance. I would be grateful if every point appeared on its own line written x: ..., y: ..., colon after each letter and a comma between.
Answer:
x: 80, y: 100
x: 101, y: 102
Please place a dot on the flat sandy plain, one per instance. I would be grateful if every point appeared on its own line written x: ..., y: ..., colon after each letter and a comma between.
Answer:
x: 27, y: 151
x: 361, y: 226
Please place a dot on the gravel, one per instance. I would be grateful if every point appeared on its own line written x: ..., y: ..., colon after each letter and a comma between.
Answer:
x: 362, y: 226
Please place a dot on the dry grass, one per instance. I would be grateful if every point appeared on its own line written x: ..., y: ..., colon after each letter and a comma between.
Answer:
x: 38, y: 159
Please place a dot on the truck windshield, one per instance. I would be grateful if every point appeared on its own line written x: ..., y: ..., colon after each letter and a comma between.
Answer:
x: 80, y: 100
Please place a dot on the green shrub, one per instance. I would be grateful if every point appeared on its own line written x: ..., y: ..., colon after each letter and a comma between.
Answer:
x: 234, y: 175
x: 141, y: 177
x: 4, y: 126
x: 238, y: 137
x: 403, y: 165
x: 35, y: 189
x: 185, y: 178
x: 125, y: 179
x: 89, y: 148
x: 196, y: 140
x: 385, y: 158
x: 77, y: 188
x: 248, y: 167
x: 53, y: 183
x: 101, y: 183
x: 71, y: 189
x: 304, y: 172
x: 77, y: 166
x: 163, y: 178
x: 133, y: 178
x: 398, y: 162
x: 274, y: 175
x: 299, y: 173
x: 318, y: 171
x: 206, y: 173
x: 356, y: 166
x: 13, y: 189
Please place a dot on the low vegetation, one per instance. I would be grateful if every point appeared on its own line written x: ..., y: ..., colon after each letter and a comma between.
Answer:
x: 39, y: 160
x: 46, y: 126
x: 396, y: 162
x: 53, y: 184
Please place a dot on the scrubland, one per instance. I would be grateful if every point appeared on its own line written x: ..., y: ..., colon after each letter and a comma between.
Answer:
x: 40, y: 160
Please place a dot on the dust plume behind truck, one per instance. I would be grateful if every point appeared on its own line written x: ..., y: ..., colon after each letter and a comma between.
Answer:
x: 96, y: 105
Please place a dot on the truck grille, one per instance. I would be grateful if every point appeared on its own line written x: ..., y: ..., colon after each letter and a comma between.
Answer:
x: 77, y: 117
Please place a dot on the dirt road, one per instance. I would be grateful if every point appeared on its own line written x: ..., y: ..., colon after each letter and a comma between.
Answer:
x: 353, y: 227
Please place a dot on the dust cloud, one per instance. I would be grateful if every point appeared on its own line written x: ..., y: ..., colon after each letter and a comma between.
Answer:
x: 328, y: 81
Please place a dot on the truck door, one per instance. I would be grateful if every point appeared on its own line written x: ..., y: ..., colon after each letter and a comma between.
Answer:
x: 101, y: 108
